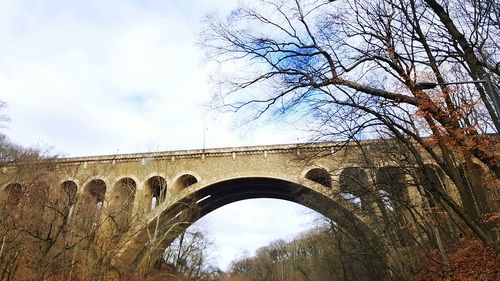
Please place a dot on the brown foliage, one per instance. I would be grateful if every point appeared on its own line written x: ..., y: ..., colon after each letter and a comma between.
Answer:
x: 470, y: 261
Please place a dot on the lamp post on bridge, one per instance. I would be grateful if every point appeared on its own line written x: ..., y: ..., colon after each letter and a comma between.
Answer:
x: 490, y: 89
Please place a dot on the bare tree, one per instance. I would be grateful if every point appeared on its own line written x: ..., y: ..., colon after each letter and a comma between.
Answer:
x: 48, y: 230
x: 190, y: 254
x: 349, y: 69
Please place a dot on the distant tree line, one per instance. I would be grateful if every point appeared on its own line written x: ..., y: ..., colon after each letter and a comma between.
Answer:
x: 322, y: 254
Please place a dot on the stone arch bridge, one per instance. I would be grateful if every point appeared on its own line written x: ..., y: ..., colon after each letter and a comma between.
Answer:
x: 325, y: 177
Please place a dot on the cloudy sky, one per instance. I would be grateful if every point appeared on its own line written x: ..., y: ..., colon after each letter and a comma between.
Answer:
x: 103, y: 77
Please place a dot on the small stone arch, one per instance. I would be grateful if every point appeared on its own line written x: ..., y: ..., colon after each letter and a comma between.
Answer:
x: 12, y: 194
x: 123, y: 176
x: 69, y: 192
x: 473, y: 193
x: 96, y: 188
x: 152, y: 175
x: 93, y: 180
x: 122, y: 200
x: 155, y: 192
x: 354, y: 186
x: 391, y: 183
x: 185, y: 180
x: 431, y: 176
x: 71, y: 179
x: 319, y: 175
x: 93, y: 201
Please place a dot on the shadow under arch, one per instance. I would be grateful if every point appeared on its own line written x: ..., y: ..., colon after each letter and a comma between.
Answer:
x: 319, y: 175
x: 12, y: 194
x: 215, y: 195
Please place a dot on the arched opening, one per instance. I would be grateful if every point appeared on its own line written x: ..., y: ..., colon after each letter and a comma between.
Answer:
x: 354, y: 186
x: 320, y: 176
x: 12, y: 194
x: 69, y: 191
x: 392, y: 187
x: 242, y: 227
x: 431, y: 177
x: 393, y: 199
x: 93, y: 202
x: 38, y: 203
x: 185, y: 181
x: 473, y: 192
x: 209, y: 198
x: 155, y: 193
x: 122, y: 201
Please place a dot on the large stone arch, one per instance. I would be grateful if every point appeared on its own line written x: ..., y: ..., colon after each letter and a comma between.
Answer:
x: 213, y: 195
